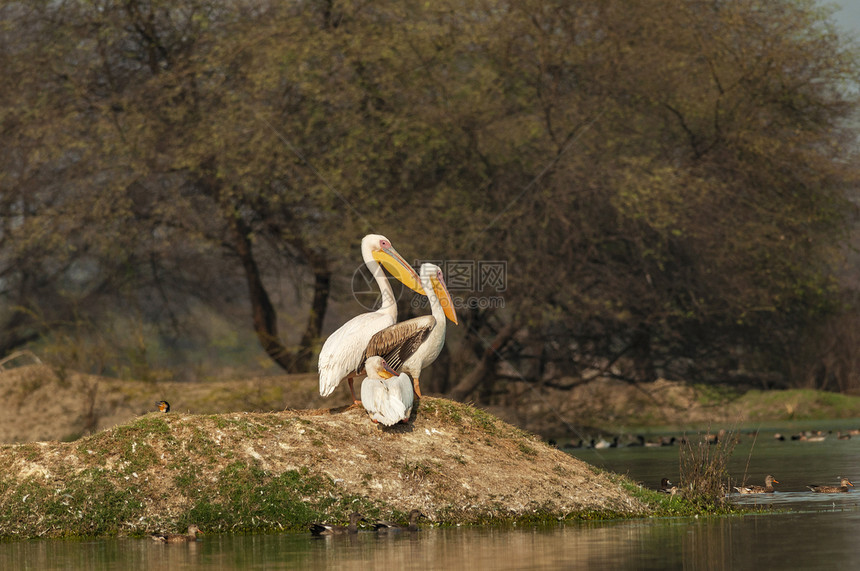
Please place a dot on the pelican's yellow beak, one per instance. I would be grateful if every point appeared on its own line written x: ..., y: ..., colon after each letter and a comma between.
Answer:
x: 397, y: 267
x: 441, y: 291
x: 387, y: 372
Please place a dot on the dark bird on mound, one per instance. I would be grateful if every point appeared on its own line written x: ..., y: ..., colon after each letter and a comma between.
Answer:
x: 667, y: 487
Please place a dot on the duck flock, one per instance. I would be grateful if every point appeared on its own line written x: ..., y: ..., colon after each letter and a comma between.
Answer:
x: 667, y: 487
x: 380, y: 527
x: 844, y: 486
x: 621, y: 441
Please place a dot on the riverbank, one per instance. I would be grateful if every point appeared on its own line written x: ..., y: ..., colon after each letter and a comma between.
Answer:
x: 264, y: 472
x: 608, y: 406
x: 44, y: 403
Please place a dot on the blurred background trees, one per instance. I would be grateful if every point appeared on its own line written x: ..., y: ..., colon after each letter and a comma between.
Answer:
x: 670, y: 184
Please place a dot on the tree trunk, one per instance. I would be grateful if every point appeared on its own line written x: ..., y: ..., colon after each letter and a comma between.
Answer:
x: 310, y: 338
x: 263, y: 313
x: 482, y: 372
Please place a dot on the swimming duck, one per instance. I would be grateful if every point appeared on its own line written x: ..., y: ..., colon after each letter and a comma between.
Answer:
x: 193, y: 530
x: 841, y: 488
x: 387, y: 396
x: 389, y: 527
x: 766, y: 489
x: 329, y: 529
x: 666, y: 487
x: 163, y: 406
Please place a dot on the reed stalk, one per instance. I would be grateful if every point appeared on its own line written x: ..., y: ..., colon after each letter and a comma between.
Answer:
x: 703, y: 467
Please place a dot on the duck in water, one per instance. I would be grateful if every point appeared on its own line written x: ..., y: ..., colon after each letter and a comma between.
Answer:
x: 766, y: 489
x: 193, y: 530
x: 841, y: 488
x: 329, y: 529
x: 389, y: 527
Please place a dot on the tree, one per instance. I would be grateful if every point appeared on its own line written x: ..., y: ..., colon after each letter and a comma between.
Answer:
x: 665, y: 180
x: 693, y: 182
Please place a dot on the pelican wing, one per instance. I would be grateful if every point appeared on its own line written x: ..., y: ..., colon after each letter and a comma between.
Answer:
x: 341, y: 353
x: 398, y: 342
x: 404, y: 393
x: 380, y: 403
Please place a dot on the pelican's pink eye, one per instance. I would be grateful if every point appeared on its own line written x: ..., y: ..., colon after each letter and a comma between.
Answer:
x: 384, y: 244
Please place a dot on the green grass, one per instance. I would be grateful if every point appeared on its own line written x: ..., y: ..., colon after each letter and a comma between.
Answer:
x: 667, y: 505
x: 715, y: 395
x: 799, y: 404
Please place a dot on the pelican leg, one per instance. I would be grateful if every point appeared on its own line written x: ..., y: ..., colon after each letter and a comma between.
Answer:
x: 352, y: 390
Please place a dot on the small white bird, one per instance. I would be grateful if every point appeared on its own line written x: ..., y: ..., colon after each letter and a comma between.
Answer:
x: 343, y: 351
x: 386, y: 396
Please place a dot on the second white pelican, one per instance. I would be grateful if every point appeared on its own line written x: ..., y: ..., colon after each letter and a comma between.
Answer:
x: 412, y: 345
x: 385, y: 394
x: 343, y: 351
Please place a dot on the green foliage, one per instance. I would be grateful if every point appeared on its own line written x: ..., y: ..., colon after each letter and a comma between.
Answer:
x: 90, y: 504
x: 247, y: 498
x: 666, y: 180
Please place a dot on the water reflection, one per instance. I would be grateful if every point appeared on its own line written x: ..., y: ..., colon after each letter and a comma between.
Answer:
x: 792, y: 540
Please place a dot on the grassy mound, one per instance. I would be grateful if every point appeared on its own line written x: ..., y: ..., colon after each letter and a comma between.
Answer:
x: 262, y: 472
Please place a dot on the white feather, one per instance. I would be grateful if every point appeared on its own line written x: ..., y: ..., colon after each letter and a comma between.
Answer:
x: 387, y: 401
x: 343, y: 350
x: 432, y: 346
x: 401, y: 388
x: 381, y: 404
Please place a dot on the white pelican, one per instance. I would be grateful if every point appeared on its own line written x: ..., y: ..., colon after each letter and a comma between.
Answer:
x: 343, y: 351
x: 412, y: 345
x: 385, y: 394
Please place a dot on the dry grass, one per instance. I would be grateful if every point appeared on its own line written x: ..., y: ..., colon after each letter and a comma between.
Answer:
x: 704, y: 467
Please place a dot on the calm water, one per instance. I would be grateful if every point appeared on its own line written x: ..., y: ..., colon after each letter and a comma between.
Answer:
x: 818, y: 531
